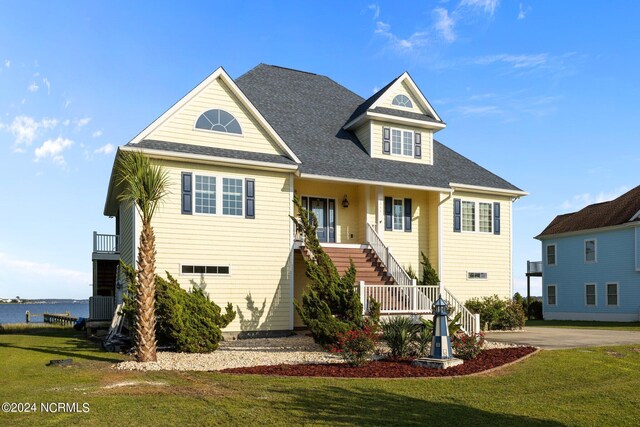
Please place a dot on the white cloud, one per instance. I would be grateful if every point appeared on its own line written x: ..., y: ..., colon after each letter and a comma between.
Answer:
x: 579, y: 201
x: 67, y: 102
x: 36, y: 273
x: 105, y: 149
x: 66, y: 122
x: 523, y: 11
x: 517, y: 61
x: 375, y: 89
x: 97, y: 134
x: 24, y: 129
x: 7, y: 63
x: 82, y: 122
x: 47, y: 84
x: 376, y: 10
x: 488, y: 6
x: 475, y: 110
x: 444, y: 24
x: 33, y: 87
x: 415, y: 40
x: 53, y: 148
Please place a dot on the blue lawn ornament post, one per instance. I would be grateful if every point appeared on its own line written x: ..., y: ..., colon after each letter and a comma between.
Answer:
x: 440, y: 343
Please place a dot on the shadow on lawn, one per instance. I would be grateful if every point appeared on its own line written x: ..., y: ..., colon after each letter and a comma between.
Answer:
x: 75, y: 346
x: 369, y: 406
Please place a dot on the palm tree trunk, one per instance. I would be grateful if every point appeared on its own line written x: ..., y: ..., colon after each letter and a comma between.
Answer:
x: 145, y: 297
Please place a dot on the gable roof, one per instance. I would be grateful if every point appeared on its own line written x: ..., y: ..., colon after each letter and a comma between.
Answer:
x: 220, y: 73
x: 309, y: 112
x: 619, y: 211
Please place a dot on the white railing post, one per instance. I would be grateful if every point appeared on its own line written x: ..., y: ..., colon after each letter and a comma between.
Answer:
x: 363, y: 299
x: 476, y: 323
x: 414, y: 295
x: 440, y: 290
x: 388, y: 261
x: 95, y: 241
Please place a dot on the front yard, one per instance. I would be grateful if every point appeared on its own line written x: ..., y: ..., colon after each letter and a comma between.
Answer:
x: 564, y: 387
x: 614, y: 326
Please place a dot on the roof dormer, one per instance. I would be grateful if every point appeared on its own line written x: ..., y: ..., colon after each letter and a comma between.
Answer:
x: 397, y: 123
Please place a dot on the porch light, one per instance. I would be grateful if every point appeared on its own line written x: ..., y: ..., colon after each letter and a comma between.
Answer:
x: 345, y: 202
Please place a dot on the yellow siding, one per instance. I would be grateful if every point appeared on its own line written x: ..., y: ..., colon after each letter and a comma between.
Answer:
x: 127, y: 234
x: 387, y: 98
x: 477, y: 252
x: 427, y: 144
x: 364, y: 135
x: 257, y: 250
x: 348, y: 220
x: 300, y: 284
x: 180, y: 127
x: 433, y: 200
x: 406, y: 246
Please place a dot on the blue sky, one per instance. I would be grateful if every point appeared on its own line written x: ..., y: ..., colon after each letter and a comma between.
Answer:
x: 542, y: 93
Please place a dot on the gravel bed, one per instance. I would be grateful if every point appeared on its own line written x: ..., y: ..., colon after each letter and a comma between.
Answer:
x: 295, y: 349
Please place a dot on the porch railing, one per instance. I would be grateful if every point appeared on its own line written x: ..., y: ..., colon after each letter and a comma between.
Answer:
x: 101, y: 308
x: 106, y: 243
x: 534, y: 267
x: 397, y: 299
x: 394, y: 269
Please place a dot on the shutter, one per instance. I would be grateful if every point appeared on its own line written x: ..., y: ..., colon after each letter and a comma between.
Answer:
x: 417, y: 150
x: 407, y: 214
x: 187, y: 193
x: 456, y: 215
x: 496, y: 218
x: 388, y: 213
x: 250, y: 198
x: 386, y: 140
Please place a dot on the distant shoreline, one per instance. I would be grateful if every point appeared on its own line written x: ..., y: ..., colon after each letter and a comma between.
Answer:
x: 48, y: 301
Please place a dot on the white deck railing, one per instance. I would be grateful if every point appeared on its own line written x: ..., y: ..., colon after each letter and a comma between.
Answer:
x: 398, y: 299
x: 101, y: 308
x: 106, y: 243
x: 534, y: 267
x: 394, y: 269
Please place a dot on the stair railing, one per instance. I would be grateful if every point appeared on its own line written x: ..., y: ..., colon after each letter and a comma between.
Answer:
x: 394, y: 269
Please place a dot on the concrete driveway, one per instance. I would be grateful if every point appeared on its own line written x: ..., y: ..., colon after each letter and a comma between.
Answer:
x: 559, y: 338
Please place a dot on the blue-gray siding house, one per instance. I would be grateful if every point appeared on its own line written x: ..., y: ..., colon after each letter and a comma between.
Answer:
x: 591, y: 262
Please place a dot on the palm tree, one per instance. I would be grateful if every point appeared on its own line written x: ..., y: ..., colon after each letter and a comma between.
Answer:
x: 145, y: 185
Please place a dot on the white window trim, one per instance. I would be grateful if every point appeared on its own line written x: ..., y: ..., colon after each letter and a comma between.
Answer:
x: 203, y: 274
x: 219, y: 192
x: 402, y: 152
x: 555, y: 255
x: 606, y: 291
x: 335, y: 201
x: 477, y: 279
x: 595, y: 251
x: 197, y: 129
x: 547, y: 296
x: 393, y: 215
x: 476, y: 219
x: 595, y: 292
x: 402, y: 106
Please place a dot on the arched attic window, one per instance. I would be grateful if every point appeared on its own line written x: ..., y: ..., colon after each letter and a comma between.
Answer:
x: 219, y: 121
x: 402, y: 101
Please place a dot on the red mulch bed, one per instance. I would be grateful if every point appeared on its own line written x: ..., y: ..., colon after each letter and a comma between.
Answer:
x: 487, y: 359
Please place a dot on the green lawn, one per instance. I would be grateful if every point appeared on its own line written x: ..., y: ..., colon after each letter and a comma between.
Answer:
x: 564, y: 387
x: 615, y: 326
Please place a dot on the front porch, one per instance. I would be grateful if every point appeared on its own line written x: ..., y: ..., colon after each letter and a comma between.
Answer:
x: 106, y: 259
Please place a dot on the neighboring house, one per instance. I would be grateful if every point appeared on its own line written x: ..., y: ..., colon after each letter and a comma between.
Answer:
x: 591, y: 262
x: 238, y: 151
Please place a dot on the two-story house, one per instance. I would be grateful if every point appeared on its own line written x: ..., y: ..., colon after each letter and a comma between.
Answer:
x: 383, y: 190
x: 591, y: 262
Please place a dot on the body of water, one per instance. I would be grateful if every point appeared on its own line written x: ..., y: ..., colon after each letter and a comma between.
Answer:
x: 14, y: 313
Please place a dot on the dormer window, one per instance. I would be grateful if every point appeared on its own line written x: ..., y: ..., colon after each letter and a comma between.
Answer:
x: 402, y: 101
x: 402, y: 142
x: 218, y: 121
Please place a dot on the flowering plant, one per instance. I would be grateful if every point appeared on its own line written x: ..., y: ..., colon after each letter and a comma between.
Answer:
x: 467, y: 346
x: 355, y: 346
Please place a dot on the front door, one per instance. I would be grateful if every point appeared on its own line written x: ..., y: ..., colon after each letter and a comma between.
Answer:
x: 325, y: 212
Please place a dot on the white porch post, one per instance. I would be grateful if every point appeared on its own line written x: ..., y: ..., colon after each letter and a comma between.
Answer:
x: 380, y: 212
x: 476, y: 323
x: 414, y: 295
x: 362, y: 297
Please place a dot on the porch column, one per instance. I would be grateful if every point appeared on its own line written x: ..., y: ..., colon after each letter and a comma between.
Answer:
x: 380, y: 212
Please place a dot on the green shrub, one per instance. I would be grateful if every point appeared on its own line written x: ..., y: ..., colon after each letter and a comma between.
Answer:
x: 535, y: 309
x: 423, y: 337
x: 467, y: 346
x: 399, y: 332
x: 355, y: 346
x: 186, y: 321
x: 496, y: 313
x: 330, y: 305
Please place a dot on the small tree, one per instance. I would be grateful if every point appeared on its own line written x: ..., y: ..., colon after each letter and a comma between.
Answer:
x: 330, y: 304
x: 429, y: 275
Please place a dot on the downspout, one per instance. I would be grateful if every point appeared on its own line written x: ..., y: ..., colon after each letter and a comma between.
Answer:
x: 291, y: 253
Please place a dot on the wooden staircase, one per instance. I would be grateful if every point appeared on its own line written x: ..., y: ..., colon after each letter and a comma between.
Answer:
x: 368, y: 266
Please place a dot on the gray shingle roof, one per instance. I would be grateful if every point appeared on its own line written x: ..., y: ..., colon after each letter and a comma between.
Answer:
x: 309, y: 111
x: 212, y: 151
x: 405, y: 114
